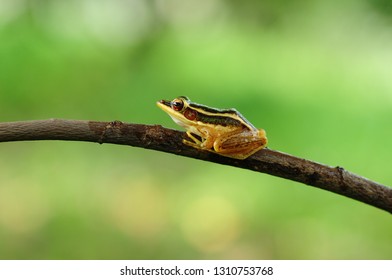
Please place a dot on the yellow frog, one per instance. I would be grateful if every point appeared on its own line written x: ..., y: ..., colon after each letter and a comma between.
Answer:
x: 225, y: 132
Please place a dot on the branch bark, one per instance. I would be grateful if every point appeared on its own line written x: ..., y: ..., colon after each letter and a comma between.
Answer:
x: 155, y: 137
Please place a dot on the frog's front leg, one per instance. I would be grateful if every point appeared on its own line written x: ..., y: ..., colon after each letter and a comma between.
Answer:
x: 204, y: 143
x: 196, y: 141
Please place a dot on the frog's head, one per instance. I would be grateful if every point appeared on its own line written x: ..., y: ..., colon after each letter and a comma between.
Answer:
x: 180, y: 110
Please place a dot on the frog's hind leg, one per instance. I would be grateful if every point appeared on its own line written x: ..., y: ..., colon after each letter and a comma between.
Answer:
x: 241, y: 147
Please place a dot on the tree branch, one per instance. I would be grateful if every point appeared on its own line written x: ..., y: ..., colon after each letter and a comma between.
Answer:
x: 155, y: 137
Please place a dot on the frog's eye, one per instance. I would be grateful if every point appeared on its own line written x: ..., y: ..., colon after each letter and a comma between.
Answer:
x: 177, y: 104
x: 190, y: 114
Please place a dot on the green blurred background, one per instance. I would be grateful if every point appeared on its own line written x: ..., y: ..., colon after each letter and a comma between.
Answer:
x: 316, y: 75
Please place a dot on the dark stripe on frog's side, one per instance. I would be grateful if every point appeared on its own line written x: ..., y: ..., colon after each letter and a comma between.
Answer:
x: 218, y: 120
x: 214, y: 110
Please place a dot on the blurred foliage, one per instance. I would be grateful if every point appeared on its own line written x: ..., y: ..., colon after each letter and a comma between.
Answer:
x: 314, y: 74
x: 383, y: 7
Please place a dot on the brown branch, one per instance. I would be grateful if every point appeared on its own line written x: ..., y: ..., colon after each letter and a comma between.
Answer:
x: 155, y: 137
